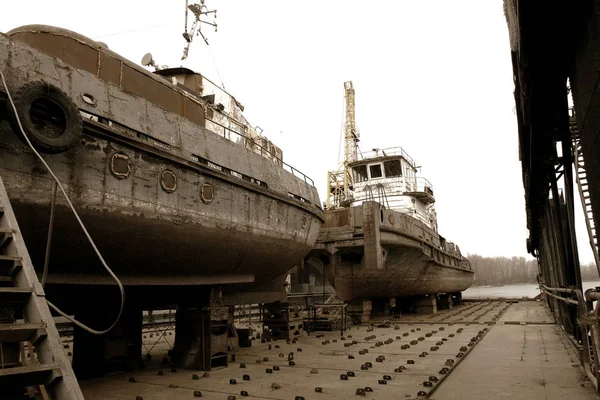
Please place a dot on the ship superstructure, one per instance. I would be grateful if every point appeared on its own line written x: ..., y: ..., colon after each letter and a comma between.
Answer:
x: 390, y: 177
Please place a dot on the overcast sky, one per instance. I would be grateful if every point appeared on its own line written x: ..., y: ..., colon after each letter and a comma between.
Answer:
x: 434, y: 77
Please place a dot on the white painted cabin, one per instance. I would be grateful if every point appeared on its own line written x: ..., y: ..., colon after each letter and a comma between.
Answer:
x: 390, y: 177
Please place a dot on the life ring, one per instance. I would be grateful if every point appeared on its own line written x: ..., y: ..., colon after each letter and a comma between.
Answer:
x: 49, y: 118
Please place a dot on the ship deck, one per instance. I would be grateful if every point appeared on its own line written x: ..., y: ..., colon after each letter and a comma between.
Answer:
x: 513, y: 350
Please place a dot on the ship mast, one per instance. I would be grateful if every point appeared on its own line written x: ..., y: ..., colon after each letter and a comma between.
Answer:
x: 340, y: 183
x: 199, y: 10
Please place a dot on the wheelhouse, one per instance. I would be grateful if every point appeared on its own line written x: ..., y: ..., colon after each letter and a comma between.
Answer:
x: 390, y: 177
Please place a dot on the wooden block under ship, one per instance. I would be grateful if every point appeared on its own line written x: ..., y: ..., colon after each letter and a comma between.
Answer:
x: 380, y: 237
x: 174, y: 185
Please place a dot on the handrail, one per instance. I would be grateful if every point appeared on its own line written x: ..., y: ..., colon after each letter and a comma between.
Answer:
x: 589, y: 340
x: 291, y: 170
x: 570, y: 301
x: 423, y: 184
x: 576, y: 292
x: 391, y: 151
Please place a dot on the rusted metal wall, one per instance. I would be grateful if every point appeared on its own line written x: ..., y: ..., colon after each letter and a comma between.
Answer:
x: 87, y: 55
x: 177, y: 134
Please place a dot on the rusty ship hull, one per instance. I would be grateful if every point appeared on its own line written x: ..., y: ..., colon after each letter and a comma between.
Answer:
x: 167, y: 200
x: 372, y: 252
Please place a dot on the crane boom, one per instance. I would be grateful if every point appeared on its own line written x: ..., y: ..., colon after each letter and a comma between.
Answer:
x: 351, y: 133
x: 340, y: 182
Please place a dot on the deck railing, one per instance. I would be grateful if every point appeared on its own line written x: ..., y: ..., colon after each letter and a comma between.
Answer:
x: 423, y: 185
x: 231, y: 134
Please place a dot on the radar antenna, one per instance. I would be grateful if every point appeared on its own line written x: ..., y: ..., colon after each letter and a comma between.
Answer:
x: 199, y: 10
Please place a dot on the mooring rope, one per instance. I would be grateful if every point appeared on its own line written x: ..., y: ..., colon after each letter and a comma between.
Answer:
x: 85, y: 231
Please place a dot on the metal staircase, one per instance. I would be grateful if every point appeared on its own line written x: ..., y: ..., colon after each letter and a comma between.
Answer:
x: 584, y: 192
x: 26, y: 323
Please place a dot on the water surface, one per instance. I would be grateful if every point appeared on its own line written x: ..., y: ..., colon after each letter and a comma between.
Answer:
x: 516, y: 291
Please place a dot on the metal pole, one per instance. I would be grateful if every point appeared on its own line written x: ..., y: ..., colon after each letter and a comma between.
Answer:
x: 50, y: 232
x: 186, y: 16
x: 592, y: 295
x: 204, y: 346
x: 323, y: 277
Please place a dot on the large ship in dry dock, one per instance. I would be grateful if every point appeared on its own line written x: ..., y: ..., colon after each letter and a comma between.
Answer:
x: 184, y: 199
x: 174, y: 184
x: 380, y: 237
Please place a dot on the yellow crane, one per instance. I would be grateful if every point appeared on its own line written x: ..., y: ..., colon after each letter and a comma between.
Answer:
x: 340, y: 182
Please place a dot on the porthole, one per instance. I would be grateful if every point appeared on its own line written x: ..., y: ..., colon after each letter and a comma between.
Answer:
x: 391, y: 219
x: 168, y: 181
x: 207, y: 193
x: 88, y: 99
x: 120, y: 165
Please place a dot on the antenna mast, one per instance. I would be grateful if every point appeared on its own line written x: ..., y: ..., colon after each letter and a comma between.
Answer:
x: 340, y: 183
x: 198, y: 9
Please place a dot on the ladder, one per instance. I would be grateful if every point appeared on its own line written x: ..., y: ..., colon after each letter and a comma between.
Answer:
x: 381, y: 195
x: 26, y: 318
x: 584, y: 192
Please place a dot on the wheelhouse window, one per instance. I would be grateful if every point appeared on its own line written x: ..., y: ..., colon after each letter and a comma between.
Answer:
x: 360, y: 173
x: 375, y: 171
x: 392, y: 168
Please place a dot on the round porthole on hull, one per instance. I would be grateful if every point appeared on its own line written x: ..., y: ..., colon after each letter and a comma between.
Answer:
x: 168, y: 181
x: 88, y: 99
x: 391, y: 219
x: 120, y: 165
x: 207, y: 193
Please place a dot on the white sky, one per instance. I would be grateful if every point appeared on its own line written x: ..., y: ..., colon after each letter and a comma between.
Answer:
x: 434, y: 77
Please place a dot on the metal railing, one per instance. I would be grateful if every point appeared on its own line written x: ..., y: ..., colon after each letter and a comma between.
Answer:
x: 423, y: 185
x: 589, y: 322
x: 391, y: 151
x: 244, y: 140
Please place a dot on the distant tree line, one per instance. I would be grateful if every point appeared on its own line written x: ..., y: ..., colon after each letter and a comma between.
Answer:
x: 589, y: 272
x: 503, y: 270
x: 511, y: 270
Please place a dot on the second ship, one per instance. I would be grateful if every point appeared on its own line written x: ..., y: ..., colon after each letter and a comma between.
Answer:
x: 380, y: 236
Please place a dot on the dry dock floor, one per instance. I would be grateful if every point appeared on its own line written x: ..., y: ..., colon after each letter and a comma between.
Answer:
x: 492, y: 350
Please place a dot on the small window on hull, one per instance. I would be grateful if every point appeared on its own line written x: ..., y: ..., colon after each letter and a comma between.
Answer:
x: 392, y: 168
x: 360, y: 173
x: 375, y: 171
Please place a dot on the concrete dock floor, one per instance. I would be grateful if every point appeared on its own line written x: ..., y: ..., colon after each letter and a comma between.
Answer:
x: 492, y: 350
